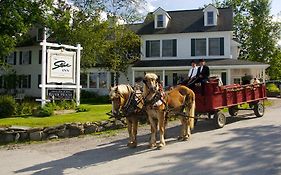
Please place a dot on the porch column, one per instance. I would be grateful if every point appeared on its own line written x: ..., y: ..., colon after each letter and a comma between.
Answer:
x: 133, y: 77
x: 88, y: 80
x: 98, y: 81
x: 108, y: 80
x: 163, y: 75
x: 263, y: 75
x: 228, y: 76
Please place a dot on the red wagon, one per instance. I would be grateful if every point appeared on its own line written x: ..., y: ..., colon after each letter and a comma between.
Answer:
x: 215, y: 98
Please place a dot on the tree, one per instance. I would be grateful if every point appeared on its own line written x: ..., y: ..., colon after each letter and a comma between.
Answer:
x: 256, y: 31
x: 16, y: 18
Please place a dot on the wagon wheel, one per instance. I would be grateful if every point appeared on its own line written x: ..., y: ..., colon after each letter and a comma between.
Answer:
x: 219, y: 119
x: 233, y: 110
x: 259, y: 109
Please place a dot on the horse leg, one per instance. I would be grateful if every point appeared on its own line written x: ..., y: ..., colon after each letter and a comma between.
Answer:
x: 190, y: 114
x: 129, y: 125
x: 153, y: 126
x: 135, y: 130
x: 161, y: 122
x: 183, y: 128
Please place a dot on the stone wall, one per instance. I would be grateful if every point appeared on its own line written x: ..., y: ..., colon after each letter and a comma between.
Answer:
x: 17, y: 133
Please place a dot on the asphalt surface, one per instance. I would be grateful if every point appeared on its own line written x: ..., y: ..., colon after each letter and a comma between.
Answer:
x: 245, y: 146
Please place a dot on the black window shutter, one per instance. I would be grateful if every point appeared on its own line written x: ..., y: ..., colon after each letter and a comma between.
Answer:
x: 147, y: 49
x: 221, y: 46
x: 192, y: 47
x: 15, y: 58
x: 20, y: 81
x: 29, y: 81
x: 30, y: 55
x: 40, y: 56
x: 20, y: 57
x: 174, y: 47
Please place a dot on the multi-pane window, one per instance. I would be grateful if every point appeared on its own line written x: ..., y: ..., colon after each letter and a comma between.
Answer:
x: 93, y: 80
x: 169, y: 48
x: 198, y: 47
x: 210, y: 18
x: 83, y: 80
x: 11, y: 59
x: 160, y: 21
x: 25, y: 81
x: 103, y: 80
x: 216, y: 46
x: 25, y: 57
x: 153, y: 48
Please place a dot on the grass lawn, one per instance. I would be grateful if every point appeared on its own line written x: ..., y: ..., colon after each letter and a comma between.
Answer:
x: 96, y: 113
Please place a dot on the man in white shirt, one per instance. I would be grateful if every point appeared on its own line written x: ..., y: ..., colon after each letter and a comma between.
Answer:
x: 192, y: 74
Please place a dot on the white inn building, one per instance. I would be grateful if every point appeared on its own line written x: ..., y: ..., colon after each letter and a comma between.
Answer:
x: 170, y: 40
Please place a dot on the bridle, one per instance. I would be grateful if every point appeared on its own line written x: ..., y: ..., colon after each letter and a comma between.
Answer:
x: 130, y: 106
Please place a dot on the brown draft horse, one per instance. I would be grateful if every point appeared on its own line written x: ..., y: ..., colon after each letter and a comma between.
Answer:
x: 127, y: 102
x: 159, y: 106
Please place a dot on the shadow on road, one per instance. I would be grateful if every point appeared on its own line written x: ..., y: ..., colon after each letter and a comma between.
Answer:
x: 257, y: 144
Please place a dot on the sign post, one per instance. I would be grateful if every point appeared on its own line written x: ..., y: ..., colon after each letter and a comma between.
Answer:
x: 62, y: 69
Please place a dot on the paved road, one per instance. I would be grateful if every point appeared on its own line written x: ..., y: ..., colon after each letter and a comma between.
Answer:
x: 246, y: 145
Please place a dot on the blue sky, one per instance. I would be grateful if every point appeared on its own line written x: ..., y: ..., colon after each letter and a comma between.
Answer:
x: 194, y: 4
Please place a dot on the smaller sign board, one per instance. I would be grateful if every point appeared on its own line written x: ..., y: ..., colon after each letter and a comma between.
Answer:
x: 60, y: 94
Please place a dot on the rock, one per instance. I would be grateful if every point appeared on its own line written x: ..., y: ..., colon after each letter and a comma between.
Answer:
x: 54, y: 130
x: 23, y: 136
x: 36, y: 136
x: 63, y: 133
x: 19, y: 128
x: 91, y: 128
x: 31, y: 130
x: 7, y: 137
x: 75, y: 129
x: 52, y: 137
x: 118, y: 124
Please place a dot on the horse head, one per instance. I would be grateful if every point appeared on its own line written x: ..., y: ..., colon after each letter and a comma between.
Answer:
x: 119, y: 95
x: 151, y: 83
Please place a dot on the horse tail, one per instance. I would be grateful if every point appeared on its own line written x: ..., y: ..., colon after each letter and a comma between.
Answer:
x: 190, y: 107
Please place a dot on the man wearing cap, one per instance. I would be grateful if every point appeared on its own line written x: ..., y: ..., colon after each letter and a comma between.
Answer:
x: 203, y: 74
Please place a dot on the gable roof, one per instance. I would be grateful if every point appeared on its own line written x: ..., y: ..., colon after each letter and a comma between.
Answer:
x: 188, y: 21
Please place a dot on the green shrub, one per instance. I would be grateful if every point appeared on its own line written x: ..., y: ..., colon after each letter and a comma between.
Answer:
x: 82, y: 109
x: 271, y: 87
x: 46, y: 111
x: 64, y: 104
x: 7, y: 106
x: 25, y: 108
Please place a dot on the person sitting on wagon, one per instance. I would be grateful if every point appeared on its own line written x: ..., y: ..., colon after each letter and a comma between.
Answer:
x: 203, y: 74
x: 192, y: 75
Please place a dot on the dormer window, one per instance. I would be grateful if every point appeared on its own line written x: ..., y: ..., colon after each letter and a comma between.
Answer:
x: 161, y: 18
x: 211, y: 14
x: 210, y: 18
x: 160, y: 21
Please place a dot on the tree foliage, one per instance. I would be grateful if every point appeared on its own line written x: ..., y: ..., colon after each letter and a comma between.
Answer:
x: 256, y: 31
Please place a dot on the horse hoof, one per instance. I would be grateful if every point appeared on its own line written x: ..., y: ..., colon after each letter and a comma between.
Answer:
x: 160, y: 146
x: 132, y: 145
x: 151, y: 146
x: 185, y: 138
x: 180, y: 138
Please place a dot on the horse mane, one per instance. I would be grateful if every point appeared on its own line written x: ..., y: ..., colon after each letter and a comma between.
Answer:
x: 151, y: 76
x: 120, y: 89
